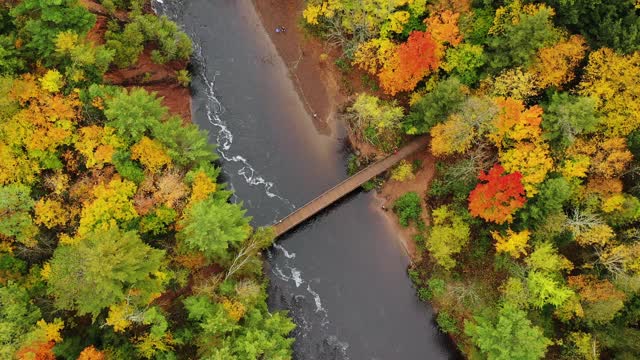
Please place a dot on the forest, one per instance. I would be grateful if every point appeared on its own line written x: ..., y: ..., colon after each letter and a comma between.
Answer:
x: 532, y: 248
x: 117, y: 241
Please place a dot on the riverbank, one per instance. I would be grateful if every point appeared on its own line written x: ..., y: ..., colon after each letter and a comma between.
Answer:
x: 326, y: 90
x: 159, y: 78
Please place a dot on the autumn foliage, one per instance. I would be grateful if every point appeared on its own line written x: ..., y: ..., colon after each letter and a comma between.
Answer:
x: 411, y: 62
x: 444, y: 28
x: 91, y: 353
x: 556, y: 65
x: 548, y: 91
x: 40, y: 350
x: 498, y: 196
x: 515, y: 122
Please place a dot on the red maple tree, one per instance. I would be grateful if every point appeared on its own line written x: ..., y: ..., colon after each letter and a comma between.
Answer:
x: 497, y: 196
x: 412, y: 61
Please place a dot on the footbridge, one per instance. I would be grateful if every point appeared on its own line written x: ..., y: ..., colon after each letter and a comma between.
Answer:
x: 345, y: 187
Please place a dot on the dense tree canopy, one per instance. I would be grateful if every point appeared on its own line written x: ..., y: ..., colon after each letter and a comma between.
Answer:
x: 541, y: 99
x: 112, y: 223
x: 511, y: 337
x: 113, y: 261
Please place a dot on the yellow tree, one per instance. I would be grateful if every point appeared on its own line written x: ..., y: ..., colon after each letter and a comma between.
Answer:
x: 532, y: 160
x: 97, y: 144
x: 598, y: 234
x: 15, y: 166
x: 112, y: 204
x: 555, y: 65
x: 151, y: 154
x: 45, y: 122
x: 202, y: 187
x: 52, y: 81
x: 373, y: 55
x: 403, y: 172
x: 513, y: 243
x: 452, y: 136
x: 514, y: 83
x: 443, y: 27
x: 515, y: 122
x: 608, y: 157
x: 50, y: 213
x: 614, y: 81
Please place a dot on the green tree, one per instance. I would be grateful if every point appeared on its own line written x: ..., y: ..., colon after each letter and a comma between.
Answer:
x: 261, y: 239
x: 84, y: 62
x: 545, y: 289
x: 604, y: 23
x: 568, y: 116
x: 15, y: 219
x: 545, y: 258
x: 435, y: 107
x: 10, y: 60
x: 38, y: 23
x: 408, y: 208
x: 448, y: 235
x: 551, y: 196
x: 476, y: 23
x: 18, y: 315
x: 134, y: 113
x: 100, y: 270
x: 464, y: 62
x: 262, y: 335
x: 170, y: 43
x: 126, y: 167
x: 127, y: 44
x: 518, y: 42
x: 187, y: 145
x: 511, y: 337
x: 215, y: 227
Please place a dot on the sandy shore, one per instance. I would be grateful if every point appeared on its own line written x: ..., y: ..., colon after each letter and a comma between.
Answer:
x: 315, y: 80
x: 318, y: 84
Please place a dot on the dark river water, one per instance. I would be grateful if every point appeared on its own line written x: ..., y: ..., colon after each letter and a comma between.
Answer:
x: 342, y: 275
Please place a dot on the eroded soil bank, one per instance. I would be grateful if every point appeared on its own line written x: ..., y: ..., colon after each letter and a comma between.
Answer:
x: 159, y: 78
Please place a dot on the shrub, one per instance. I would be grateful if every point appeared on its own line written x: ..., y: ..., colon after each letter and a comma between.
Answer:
x: 449, y: 234
x: 127, y: 44
x: 376, y: 121
x: 402, y: 172
x: 172, y: 43
x: 447, y: 323
x: 183, y: 77
x: 436, y: 286
x: 414, y: 275
x: 407, y: 207
x: 424, y: 294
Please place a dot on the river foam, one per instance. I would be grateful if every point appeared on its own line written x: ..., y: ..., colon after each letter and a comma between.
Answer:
x: 237, y: 164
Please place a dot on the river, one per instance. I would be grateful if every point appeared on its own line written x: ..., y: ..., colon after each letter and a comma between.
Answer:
x: 342, y: 275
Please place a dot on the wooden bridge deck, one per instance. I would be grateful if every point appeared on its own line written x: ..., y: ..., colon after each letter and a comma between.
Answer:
x: 345, y: 187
